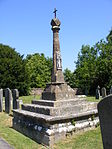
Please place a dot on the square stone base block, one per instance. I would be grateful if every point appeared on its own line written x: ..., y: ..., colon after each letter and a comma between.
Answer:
x: 47, y: 130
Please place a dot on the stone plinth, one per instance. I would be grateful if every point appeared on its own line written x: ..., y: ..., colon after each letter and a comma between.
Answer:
x: 47, y: 121
x: 58, y: 91
x: 47, y: 129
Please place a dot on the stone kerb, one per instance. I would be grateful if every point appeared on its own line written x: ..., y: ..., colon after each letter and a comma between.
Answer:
x: 1, y: 100
x: 8, y: 98
x: 105, y: 117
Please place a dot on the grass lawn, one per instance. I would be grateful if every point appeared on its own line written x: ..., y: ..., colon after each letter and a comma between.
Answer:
x: 84, y: 140
x: 92, y: 99
x: 28, y: 99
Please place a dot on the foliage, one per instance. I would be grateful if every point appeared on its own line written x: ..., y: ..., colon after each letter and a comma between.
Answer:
x: 69, y: 77
x: 39, y: 68
x: 94, y: 66
x: 86, y: 68
x: 13, y: 73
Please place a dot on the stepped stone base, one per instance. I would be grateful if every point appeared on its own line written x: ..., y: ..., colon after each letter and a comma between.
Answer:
x: 48, y: 130
x: 47, y: 122
x: 57, y: 114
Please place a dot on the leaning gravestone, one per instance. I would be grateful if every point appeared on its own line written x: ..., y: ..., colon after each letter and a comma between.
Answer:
x: 98, y: 92
x: 103, y: 90
x: 1, y: 100
x: 8, y: 98
x: 105, y: 116
x: 15, y: 94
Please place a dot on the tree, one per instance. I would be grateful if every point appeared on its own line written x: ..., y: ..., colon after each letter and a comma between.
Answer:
x: 69, y: 77
x: 13, y: 73
x: 94, y: 66
x: 39, y: 68
x: 85, y: 68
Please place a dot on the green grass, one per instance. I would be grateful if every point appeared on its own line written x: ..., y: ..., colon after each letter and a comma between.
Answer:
x: 92, y: 99
x: 28, y: 99
x: 85, y: 140
x: 14, y: 138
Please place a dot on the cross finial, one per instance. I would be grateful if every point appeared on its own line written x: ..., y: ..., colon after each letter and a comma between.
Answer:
x: 55, y: 12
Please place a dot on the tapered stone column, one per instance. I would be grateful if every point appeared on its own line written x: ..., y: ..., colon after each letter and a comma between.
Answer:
x: 57, y: 75
x: 58, y: 88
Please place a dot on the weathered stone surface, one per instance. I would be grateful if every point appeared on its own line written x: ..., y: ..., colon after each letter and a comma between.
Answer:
x: 15, y: 94
x: 59, y: 103
x: 58, y: 91
x: 58, y: 111
x: 1, y: 100
x: 49, y: 129
x: 105, y: 116
x: 8, y: 98
x: 45, y: 119
x: 103, y: 90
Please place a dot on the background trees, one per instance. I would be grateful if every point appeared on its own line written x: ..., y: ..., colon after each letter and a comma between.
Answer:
x: 39, y: 68
x: 69, y: 77
x: 94, y: 66
x: 13, y: 73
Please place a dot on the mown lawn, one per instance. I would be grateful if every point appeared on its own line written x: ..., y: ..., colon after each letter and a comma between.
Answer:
x: 92, y: 99
x: 28, y: 99
x: 84, y: 140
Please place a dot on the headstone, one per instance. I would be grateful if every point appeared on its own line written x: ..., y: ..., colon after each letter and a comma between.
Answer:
x: 111, y: 90
x: 1, y: 100
x: 8, y: 98
x: 103, y: 90
x: 15, y: 94
x: 105, y: 117
x: 98, y: 92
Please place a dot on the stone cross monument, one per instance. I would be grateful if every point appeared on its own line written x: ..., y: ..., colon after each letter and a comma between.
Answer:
x: 57, y: 75
x: 51, y: 118
x: 57, y: 89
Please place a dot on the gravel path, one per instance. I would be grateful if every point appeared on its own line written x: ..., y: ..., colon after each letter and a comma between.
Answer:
x: 4, y: 145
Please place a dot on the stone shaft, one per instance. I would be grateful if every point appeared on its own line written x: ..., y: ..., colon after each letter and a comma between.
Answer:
x: 8, y: 98
x: 1, y: 100
x: 57, y: 75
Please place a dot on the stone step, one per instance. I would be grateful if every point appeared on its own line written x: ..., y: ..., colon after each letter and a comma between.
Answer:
x: 23, y: 114
x: 69, y: 102
x: 58, y: 111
